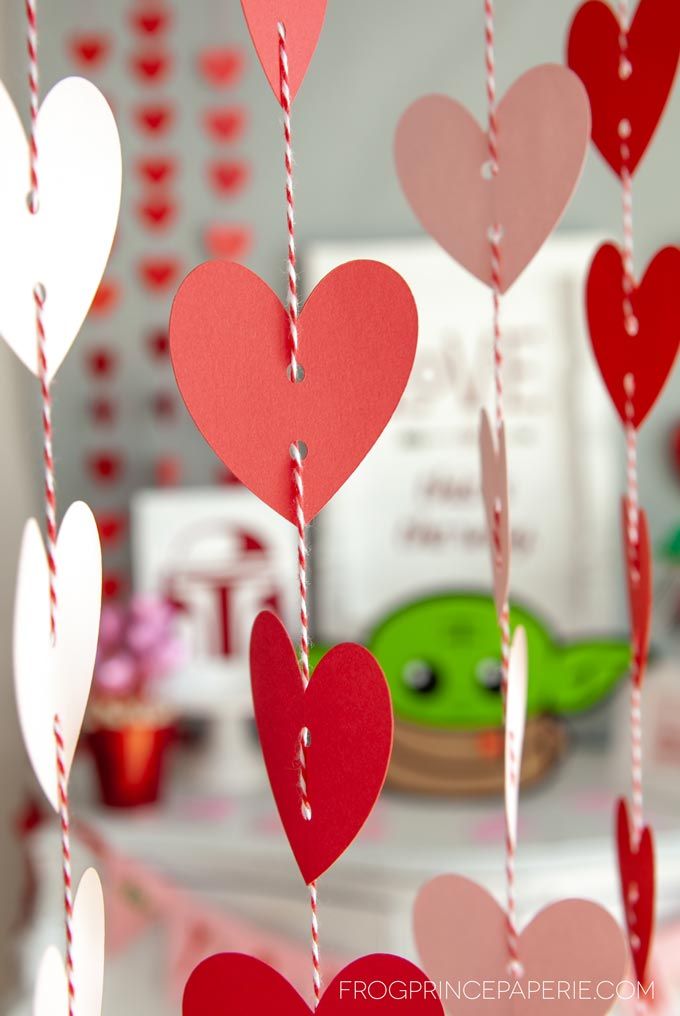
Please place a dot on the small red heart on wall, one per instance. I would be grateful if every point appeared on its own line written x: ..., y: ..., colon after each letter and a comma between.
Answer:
x: 151, y: 68
x: 105, y: 467
x: 228, y: 178
x: 103, y: 410
x: 113, y: 585
x: 89, y: 50
x: 154, y: 119
x: 227, y: 241
x: 221, y: 67
x: 156, y: 214
x: 158, y: 273
x: 227, y: 124
x: 168, y: 471
x: 159, y: 345
x: 101, y: 362
x: 151, y: 21
x: 164, y: 405
x: 156, y: 170
x: 112, y: 527
x: 106, y: 298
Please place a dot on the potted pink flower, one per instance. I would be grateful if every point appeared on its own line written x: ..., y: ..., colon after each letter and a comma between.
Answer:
x: 130, y: 728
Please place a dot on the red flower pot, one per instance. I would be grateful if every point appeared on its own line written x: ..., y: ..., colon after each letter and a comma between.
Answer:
x: 130, y: 763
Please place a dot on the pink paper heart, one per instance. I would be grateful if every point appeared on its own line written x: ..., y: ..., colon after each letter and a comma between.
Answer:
x: 441, y: 154
x: 495, y: 496
x: 461, y: 934
x: 302, y: 22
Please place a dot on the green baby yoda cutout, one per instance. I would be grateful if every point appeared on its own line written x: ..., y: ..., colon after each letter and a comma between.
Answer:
x: 441, y: 659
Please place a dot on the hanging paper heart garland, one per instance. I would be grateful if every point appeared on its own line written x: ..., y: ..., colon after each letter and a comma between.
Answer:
x: 638, y: 889
x: 55, y: 679
x: 442, y: 155
x: 496, y: 505
x: 302, y: 22
x: 648, y: 356
x: 348, y: 712
x: 239, y: 985
x: 66, y: 245
x: 638, y: 564
x: 51, y: 992
x: 635, y: 92
x: 229, y: 348
x: 461, y: 934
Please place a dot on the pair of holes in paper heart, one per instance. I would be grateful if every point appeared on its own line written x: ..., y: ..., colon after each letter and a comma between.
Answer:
x: 297, y: 447
x: 489, y: 170
x: 633, y: 900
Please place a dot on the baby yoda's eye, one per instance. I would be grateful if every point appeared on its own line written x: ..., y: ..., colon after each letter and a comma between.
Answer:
x: 489, y: 674
x: 419, y: 676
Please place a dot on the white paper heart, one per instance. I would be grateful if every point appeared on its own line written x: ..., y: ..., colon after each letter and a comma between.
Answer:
x: 495, y: 496
x: 515, y: 720
x: 51, y: 991
x: 66, y: 244
x: 55, y: 679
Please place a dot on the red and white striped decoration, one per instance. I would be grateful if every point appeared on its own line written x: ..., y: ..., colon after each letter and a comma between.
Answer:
x: 34, y: 92
x: 50, y: 497
x: 292, y: 298
x: 66, y: 857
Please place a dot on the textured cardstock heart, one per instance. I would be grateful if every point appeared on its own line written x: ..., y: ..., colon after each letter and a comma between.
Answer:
x: 638, y: 97
x: 442, y: 156
x: 348, y: 712
x: 55, y: 679
x: 496, y: 505
x: 638, y: 888
x: 231, y: 984
x: 230, y: 352
x: 461, y: 934
x: 303, y: 24
x: 51, y: 996
x: 66, y: 245
x: 638, y: 566
x: 649, y: 356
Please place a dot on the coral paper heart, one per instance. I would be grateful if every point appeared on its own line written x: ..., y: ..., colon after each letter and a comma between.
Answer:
x: 230, y: 352
x: 55, y: 679
x: 647, y: 357
x: 496, y: 507
x: 442, y: 155
x: 231, y: 984
x: 51, y: 996
x: 638, y: 565
x: 347, y: 710
x: 636, y: 91
x: 637, y: 873
x: 461, y: 934
x: 302, y: 22
x: 66, y: 245
x: 221, y: 67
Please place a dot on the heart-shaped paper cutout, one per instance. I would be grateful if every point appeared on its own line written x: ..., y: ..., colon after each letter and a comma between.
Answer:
x: 348, y: 713
x: 51, y: 990
x: 442, y: 154
x: 638, y: 889
x: 66, y: 245
x: 230, y: 352
x: 515, y: 721
x: 231, y: 984
x: 221, y: 67
x: 55, y: 679
x: 303, y: 24
x: 462, y: 938
x: 638, y: 565
x: 638, y: 97
x: 496, y: 505
x: 648, y: 356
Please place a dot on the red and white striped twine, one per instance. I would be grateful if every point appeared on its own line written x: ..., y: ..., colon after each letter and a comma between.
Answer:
x: 632, y: 485
x: 50, y: 497
x: 510, y: 857
x: 34, y: 91
x: 292, y: 300
x: 66, y: 857
x: 490, y: 62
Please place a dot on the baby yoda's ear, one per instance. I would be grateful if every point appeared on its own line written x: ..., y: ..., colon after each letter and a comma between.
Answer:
x: 584, y: 673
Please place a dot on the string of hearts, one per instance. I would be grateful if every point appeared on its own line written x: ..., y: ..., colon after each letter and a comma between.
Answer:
x: 628, y: 67
x: 490, y: 199
x: 59, y: 197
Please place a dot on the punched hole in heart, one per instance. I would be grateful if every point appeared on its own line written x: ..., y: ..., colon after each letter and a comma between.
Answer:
x: 489, y: 169
x: 298, y: 449
x: 495, y: 234
x: 299, y: 373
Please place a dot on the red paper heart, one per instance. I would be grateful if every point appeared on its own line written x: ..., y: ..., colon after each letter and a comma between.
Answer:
x: 154, y: 119
x: 594, y: 53
x: 442, y: 157
x: 158, y: 273
x: 230, y: 352
x: 638, y: 565
x: 105, y: 467
x: 150, y: 21
x: 347, y: 710
x: 156, y: 170
x: 150, y: 68
x: 221, y: 67
x: 111, y: 526
x: 156, y: 213
x: 649, y: 356
x: 89, y: 49
x: 225, y: 124
x: 231, y: 984
x: 106, y: 298
x: 303, y: 23
x: 638, y: 888
x: 227, y: 241
x: 228, y: 177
